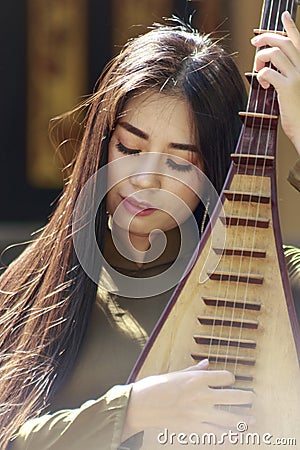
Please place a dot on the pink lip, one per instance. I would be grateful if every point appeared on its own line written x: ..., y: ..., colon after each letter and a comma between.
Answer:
x: 137, y: 208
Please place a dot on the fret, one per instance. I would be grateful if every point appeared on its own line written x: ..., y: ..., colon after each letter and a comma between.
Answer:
x: 232, y: 303
x: 236, y: 251
x: 223, y: 341
x: 240, y: 221
x: 236, y: 277
x: 259, y: 120
x: 224, y: 358
x: 258, y: 31
x: 252, y: 160
x: 228, y: 322
x: 239, y: 377
x: 240, y: 196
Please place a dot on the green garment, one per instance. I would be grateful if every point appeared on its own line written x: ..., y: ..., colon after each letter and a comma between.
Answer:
x: 117, y: 332
x: 118, y: 329
x: 97, y: 424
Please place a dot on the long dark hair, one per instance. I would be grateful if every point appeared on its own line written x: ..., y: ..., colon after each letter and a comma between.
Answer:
x: 46, y: 297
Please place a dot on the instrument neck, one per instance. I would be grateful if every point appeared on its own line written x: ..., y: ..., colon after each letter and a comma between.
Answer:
x: 271, y: 13
x: 258, y: 137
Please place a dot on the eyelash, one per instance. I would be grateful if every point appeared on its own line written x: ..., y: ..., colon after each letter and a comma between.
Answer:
x: 126, y: 150
x: 180, y: 167
x: 172, y: 164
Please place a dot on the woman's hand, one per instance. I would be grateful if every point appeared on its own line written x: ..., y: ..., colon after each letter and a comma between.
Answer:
x: 185, y: 401
x: 284, y: 53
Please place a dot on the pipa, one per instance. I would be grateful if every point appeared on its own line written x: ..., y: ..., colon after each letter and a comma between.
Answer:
x: 241, y: 314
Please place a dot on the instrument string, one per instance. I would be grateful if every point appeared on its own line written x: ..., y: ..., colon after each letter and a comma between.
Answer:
x: 284, y: 5
x: 219, y: 331
x: 254, y: 172
x: 243, y: 234
x: 250, y: 151
x: 268, y: 134
x: 238, y: 235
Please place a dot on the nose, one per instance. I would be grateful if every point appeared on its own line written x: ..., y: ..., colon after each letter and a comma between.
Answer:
x: 147, y: 175
x: 146, y: 180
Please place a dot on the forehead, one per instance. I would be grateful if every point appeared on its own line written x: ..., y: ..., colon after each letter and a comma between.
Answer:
x: 160, y: 114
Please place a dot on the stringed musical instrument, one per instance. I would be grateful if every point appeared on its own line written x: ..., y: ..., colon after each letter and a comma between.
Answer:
x: 241, y: 315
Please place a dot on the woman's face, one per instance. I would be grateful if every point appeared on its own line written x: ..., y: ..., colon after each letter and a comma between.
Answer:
x: 157, y: 130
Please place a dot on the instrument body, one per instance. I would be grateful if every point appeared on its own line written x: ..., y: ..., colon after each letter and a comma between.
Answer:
x: 242, y: 317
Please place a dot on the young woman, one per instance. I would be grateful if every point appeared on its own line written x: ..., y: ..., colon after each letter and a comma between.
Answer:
x: 67, y: 344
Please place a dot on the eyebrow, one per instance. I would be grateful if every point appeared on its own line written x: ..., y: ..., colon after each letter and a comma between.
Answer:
x: 141, y: 134
x: 134, y: 130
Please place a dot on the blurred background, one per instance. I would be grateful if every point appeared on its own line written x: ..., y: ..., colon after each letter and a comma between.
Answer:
x: 52, y: 54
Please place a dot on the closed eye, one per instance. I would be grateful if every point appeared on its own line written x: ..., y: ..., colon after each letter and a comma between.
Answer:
x: 172, y: 164
x: 126, y: 150
x: 180, y: 167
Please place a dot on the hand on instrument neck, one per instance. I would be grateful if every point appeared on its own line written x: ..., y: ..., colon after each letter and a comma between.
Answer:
x: 284, y: 54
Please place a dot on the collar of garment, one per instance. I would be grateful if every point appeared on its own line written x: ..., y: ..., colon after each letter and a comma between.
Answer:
x: 119, y: 262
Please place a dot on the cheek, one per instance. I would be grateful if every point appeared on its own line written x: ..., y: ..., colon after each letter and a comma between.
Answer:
x: 184, y: 193
x: 115, y: 174
x: 181, y: 204
x: 112, y: 151
x: 110, y: 201
x: 112, y: 177
x: 119, y: 166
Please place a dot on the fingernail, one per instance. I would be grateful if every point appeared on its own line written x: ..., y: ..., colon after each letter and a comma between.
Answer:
x: 287, y: 15
x: 254, y: 39
x: 204, y: 362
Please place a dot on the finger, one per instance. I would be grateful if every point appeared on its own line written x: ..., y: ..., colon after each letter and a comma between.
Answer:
x: 213, y: 378
x: 275, y: 56
x: 233, y: 397
x: 202, y: 365
x: 285, y: 44
x: 267, y: 76
x: 218, y: 378
x: 291, y: 29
